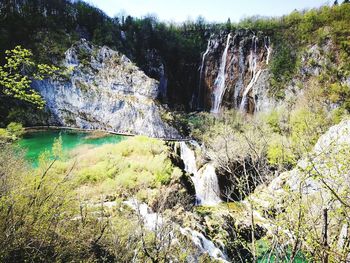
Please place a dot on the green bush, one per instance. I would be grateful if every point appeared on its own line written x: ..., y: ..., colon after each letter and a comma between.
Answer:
x: 15, y: 129
x: 279, y: 153
x: 273, y: 120
x: 306, y: 127
x: 4, y: 134
x: 133, y: 164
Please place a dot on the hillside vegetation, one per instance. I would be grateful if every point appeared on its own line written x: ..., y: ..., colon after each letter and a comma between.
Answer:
x: 74, y: 207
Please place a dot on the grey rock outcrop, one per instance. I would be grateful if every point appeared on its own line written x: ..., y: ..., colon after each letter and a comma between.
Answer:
x: 327, y: 166
x: 104, y: 90
x: 319, y: 183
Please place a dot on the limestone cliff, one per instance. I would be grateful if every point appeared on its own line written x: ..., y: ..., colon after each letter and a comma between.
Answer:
x: 103, y: 89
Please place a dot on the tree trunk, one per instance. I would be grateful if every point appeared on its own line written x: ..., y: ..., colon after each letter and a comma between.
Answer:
x: 325, y: 234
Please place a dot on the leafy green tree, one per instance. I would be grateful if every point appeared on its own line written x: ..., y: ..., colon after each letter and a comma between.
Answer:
x: 18, y: 72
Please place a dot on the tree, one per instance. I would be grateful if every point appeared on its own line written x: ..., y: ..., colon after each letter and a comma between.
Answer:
x: 228, y: 24
x: 18, y: 72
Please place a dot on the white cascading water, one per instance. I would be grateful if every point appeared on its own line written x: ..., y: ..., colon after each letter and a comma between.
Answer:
x: 204, y: 244
x: 154, y: 221
x: 252, y: 68
x: 205, y: 180
x: 219, y: 84
x: 151, y: 220
x: 201, y: 76
x: 241, y: 70
x: 268, y: 49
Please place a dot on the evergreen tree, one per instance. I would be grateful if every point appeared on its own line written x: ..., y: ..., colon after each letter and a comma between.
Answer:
x: 228, y: 24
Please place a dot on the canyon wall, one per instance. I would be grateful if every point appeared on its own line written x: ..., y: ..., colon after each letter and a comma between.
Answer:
x: 103, y: 89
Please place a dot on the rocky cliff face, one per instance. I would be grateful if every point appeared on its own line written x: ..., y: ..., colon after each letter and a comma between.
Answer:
x: 319, y: 181
x: 104, y: 90
x: 233, y: 70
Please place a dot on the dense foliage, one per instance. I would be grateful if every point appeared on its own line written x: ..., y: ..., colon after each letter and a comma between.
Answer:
x: 17, y: 74
x: 71, y: 208
x: 12, y: 132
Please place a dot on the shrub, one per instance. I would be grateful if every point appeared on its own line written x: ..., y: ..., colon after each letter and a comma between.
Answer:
x: 279, y: 153
x: 15, y: 129
x: 306, y: 127
x: 136, y: 163
x: 4, y: 135
x: 273, y: 120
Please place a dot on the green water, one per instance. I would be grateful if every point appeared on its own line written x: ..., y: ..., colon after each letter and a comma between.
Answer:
x: 274, y: 259
x: 35, y: 143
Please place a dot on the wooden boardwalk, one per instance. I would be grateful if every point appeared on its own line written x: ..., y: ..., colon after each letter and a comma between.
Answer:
x: 38, y: 128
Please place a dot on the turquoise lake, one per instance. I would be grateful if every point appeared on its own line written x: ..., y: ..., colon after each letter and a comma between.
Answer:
x: 35, y: 143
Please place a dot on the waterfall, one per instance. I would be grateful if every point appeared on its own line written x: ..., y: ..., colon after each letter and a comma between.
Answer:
x: 154, y: 221
x: 268, y: 49
x: 200, y: 77
x: 204, y: 244
x: 205, y: 180
x: 252, y: 68
x: 151, y: 220
x: 208, y: 186
x: 241, y: 65
x: 248, y: 88
x: 163, y: 84
x: 219, y: 84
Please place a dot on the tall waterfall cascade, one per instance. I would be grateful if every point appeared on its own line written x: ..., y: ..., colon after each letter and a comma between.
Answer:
x: 233, y: 72
x: 252, y: 69
x: 240, y: 81
x: 201, y: 77
x: 154, y: 221
x: 219, y: 84
x: 205, y: 179
x: 268, y: 49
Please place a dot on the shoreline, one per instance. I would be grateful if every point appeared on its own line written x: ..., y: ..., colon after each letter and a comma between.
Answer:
x: 106, y: 132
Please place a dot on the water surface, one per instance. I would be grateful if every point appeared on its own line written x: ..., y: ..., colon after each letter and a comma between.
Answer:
x: 35, y: 143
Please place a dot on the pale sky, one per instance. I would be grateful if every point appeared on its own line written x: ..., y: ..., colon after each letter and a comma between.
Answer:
x: 211, y: 10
